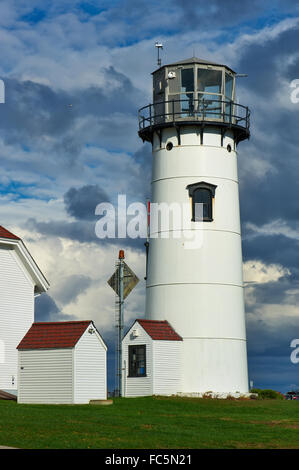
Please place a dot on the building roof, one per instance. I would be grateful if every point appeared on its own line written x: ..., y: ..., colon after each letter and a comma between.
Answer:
x: 6, y: 234
x: 159, y: 330
x: 48, y: 335
x: 194, y: 60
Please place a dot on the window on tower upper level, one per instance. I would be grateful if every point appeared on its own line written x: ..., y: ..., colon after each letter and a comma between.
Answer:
x: 202, y: 195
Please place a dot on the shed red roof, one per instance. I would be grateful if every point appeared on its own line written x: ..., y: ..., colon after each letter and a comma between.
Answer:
x: 159, y: 330
x: 47, y: 335
x: 6, y: 234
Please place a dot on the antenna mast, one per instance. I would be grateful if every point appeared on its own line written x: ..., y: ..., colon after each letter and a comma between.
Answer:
x: 159, y: 46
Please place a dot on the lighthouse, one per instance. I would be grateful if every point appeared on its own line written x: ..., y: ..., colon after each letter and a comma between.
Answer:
x: 195, y: 126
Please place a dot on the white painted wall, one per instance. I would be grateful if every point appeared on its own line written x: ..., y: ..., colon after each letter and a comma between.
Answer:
x: 46, y: 377
x: 90, y: 368
x: 16, y: 313
x: 137, y: 386
x: 218, y: 362
x: 167, y: 371
x: 200, y: 290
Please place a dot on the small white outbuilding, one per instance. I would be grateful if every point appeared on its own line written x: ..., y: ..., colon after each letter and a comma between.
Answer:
x: 63, y: 363
x: 152, y: 354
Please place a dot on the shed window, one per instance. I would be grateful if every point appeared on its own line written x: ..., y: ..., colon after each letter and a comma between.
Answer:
x: 202, y: 195
x: 137, y: 361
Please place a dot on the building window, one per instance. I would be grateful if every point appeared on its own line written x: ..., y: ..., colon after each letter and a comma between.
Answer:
x: 202, y: 195
x: 137, y: 361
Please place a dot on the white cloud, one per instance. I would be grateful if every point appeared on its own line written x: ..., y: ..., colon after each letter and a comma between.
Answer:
x: 275, y: 227
x: 257, y: 272
x: 275, y: 315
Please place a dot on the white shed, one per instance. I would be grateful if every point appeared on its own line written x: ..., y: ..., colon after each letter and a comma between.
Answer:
x: 62, y: 362
x: 151, y: 353
x: 20, y: 281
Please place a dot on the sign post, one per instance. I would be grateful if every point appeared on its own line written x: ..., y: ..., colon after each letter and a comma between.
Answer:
x: 122, y: 282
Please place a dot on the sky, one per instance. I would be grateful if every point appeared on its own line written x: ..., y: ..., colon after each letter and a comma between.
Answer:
x: 75, y: 74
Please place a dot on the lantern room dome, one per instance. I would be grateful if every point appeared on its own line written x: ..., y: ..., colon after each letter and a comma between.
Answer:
x: 194, y: 60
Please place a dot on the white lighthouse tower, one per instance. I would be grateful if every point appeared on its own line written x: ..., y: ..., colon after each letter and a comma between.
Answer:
x: 195, y: 125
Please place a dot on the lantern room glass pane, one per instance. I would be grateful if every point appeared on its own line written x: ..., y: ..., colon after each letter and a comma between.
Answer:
x: 187, y: 104
x: 187, y: 78
x: 209, y: 81
x: 229, y: 86
x: 209, y: 106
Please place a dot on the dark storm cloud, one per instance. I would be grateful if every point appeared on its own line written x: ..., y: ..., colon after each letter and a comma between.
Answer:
x: 81, y: 202
x: 276, y: 197
x: 81, y: 231
x: 45, y: 307
x: 33, y: 112
x: 275, y: 292
x: 143, y: 159
x: 117, y: 95
x: 78, y: 230
x: 277, y: 249
x: 71, y: 287
x: 276, y: 373
x: 230, y: 12
x: 143, y: 19
x: 47, y: 310
x: 264, y: 62
x: 218, y: 12
x: 272, y: 341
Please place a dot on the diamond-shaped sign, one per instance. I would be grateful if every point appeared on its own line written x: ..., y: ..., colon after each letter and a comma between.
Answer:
x: 130, y: 280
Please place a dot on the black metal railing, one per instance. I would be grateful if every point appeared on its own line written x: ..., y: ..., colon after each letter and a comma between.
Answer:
x: 222, y: 111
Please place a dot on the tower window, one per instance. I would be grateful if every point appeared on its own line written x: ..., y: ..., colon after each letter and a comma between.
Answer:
x: 137, y: 361
x: 202, y: 195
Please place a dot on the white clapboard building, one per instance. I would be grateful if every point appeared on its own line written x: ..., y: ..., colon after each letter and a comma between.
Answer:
x: 20, y: 281
x: 63, y: 363
x: 151, y: 352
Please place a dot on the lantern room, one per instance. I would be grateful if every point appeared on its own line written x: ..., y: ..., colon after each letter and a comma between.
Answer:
x: 193, y: 91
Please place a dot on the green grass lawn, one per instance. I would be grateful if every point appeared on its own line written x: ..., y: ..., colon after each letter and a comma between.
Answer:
x: 153, y: 423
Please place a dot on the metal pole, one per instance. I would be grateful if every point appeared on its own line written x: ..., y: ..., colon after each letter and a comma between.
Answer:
x: 121, y: 316
x: 146, y: 244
